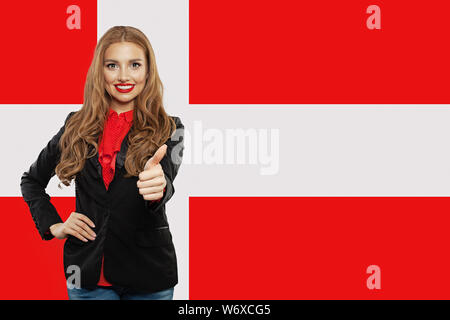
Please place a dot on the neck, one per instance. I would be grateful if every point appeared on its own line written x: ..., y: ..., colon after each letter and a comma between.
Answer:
x: 119, y: 110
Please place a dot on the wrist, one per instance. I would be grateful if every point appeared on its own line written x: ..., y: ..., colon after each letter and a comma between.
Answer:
x: 54, y: 227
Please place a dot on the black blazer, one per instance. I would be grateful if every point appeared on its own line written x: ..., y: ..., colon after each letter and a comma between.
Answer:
x: 132, y: 233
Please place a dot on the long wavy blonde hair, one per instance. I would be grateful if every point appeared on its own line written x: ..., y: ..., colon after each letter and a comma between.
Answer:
x: 151, y: 125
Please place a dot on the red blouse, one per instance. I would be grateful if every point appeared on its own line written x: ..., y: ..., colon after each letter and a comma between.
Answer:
x: 114, y: 131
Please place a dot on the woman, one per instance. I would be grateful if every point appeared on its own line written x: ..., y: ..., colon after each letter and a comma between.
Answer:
x: 123, y: 151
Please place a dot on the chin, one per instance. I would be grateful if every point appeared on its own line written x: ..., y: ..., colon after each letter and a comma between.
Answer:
x: 124, y: 99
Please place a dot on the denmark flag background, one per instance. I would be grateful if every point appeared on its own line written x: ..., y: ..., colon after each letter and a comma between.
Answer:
x: 363, y: 160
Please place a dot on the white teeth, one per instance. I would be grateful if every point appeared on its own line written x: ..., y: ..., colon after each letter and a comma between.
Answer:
x: 124, y: 87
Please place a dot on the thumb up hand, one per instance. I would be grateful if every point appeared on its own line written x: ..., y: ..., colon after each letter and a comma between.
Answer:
x: 152, y: 181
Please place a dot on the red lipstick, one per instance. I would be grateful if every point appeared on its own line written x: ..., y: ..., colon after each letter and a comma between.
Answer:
x: 124, y: 90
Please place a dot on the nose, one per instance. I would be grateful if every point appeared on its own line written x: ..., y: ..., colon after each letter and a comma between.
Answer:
x: 123, y: 75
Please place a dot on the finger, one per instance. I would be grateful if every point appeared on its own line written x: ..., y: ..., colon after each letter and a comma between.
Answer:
x: 157, y: 157
x: 153, y: 196
x: 85, y: 227
x: 79, y: 236
x: 86, y: 219
x: 151, y: 190
x: 151, y: 173
x: 72, y: 232
x: 82, y: 232
x: 159, y: 181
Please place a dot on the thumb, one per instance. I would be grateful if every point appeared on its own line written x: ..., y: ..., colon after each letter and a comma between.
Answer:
x: 157, y: 157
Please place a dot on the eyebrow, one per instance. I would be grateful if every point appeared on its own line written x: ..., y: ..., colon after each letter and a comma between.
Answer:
x: 112, y: 60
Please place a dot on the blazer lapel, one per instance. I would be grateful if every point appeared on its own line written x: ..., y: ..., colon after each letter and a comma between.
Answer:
x: 120, y: 158
x: 95, y: 162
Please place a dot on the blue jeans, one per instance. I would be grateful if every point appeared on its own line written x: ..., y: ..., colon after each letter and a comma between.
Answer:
x: 117, y: 293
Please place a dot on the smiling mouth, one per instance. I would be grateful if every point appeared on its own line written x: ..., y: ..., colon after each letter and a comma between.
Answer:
x: 124, y: 88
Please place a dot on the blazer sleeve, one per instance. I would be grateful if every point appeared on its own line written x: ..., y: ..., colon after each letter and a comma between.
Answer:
x: 34, y: 181
x: 170, y: 164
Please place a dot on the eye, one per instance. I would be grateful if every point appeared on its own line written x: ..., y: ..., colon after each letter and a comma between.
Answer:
x: 134, y: 63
